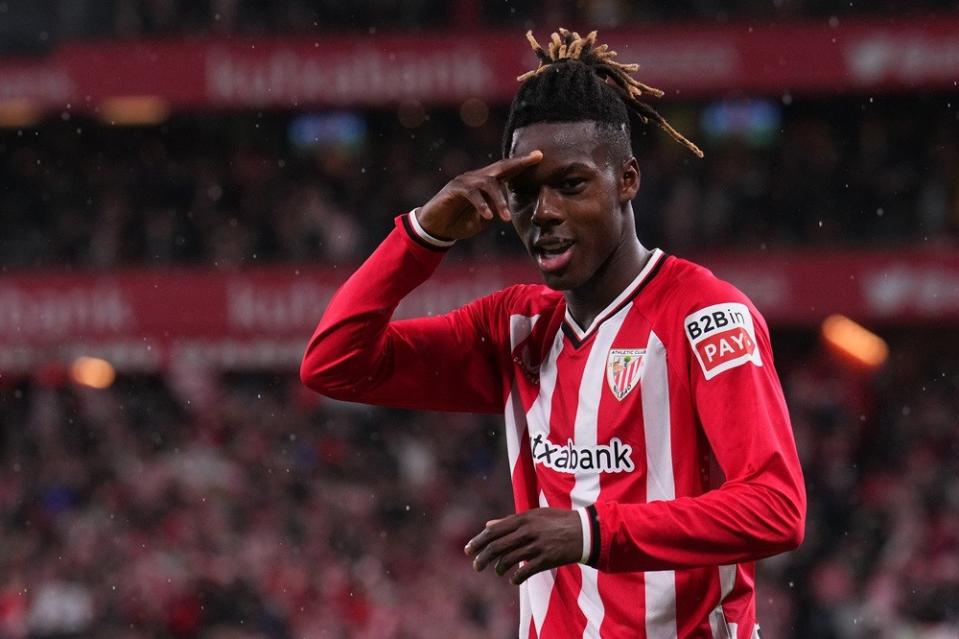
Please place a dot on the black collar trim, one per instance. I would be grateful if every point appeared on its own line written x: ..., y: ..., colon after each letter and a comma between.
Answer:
x: 577, y: 336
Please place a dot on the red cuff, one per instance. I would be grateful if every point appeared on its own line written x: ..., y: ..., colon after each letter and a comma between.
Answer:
x: 592, y: 553
x: 606, y: 514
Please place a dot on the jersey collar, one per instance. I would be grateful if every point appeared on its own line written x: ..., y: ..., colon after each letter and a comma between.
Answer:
x: 578, y: 334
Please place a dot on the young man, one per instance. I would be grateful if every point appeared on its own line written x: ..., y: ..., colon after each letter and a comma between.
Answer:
x: 622, y: 380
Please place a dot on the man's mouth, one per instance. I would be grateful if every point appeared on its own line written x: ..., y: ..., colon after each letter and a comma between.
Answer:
x: 554, y: 255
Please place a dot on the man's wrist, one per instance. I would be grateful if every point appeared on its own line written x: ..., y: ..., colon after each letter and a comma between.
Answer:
x: 589, y: 520
x: 587, y: 535
x: 425, y: 235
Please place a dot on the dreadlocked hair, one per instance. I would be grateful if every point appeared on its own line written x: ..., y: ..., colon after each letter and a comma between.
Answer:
x: 579, y: 80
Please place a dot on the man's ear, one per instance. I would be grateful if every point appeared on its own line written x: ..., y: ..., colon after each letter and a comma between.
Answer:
x: 629, y: 179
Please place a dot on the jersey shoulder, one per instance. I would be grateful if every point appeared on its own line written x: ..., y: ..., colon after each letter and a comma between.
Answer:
x: 519, y: 313
x: 685, y: 287
x: 528, y: 300
x: 707, y: 320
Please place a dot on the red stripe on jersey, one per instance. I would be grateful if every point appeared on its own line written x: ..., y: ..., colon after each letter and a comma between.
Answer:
x: 623, y: 594
x: 569, y: 374
x: 524, y: 478
x: 697, y: 591
x: 563, y: 618
x: 738, y: 607
x: 531, y: 344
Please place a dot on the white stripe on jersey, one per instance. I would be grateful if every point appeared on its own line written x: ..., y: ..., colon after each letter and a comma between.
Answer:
x: 586, y: 432
x: 660, y: 585
x: 514, y: 423
x: 525, y: 611
x: 590, y: 602
x: 515, y: 427
x: 520, y: 327
x: 537, y: 418
x: 717, y: 618
x: 539, y: 587
x: 727, y: 579
x: 585, y: 429
x: 718, y: 625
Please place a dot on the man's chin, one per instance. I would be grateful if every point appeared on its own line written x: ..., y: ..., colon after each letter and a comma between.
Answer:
x: 559, y: 281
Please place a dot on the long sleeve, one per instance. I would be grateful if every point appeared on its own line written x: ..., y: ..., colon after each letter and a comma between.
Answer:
x: 760, y: 508
x: 448, y: 362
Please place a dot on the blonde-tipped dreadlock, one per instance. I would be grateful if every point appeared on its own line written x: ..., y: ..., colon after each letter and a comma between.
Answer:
x: 569, y: 47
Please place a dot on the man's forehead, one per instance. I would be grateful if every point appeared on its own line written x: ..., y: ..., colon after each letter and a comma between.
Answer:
x: 564, y: 143
x: 577, y: 138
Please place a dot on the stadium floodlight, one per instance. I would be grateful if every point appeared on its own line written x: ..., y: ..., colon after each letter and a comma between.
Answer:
x: 92, y: 372
x: 18, y: 113
x: 140, y: 110
x: 854, y: 341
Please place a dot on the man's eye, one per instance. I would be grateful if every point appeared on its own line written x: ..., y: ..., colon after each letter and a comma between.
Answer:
x: 520, y: 196
x: 571, y: 184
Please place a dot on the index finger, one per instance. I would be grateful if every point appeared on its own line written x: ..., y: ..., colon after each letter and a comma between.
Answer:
x: 493, y: 530
x: 511, y: 167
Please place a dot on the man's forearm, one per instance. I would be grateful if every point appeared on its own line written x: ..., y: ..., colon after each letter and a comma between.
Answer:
x: 347, y: 345
x: 742, y: 521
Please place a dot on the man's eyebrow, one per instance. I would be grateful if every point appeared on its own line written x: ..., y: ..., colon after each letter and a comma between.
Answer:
x: 572, y: 166
x: 558, y: 171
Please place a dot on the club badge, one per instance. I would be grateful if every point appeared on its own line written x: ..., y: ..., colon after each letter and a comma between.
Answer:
x: 624, y: 368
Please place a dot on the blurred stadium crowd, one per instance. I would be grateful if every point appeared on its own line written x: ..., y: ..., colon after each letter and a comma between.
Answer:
x: 128, y: 516
x: 233, y: 190
x: 283, y: 515
x: 272, y: 513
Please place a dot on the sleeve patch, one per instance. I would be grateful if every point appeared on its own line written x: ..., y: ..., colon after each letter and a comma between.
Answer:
x: 722, y: 336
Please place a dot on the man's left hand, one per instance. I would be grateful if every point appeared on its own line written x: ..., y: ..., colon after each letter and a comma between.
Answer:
x: 544, y: 538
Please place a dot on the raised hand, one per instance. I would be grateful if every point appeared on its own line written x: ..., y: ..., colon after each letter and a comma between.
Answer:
x: 544, y: 538
x: 471, y: 201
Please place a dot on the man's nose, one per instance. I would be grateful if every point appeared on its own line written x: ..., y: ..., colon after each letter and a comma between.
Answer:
x: 548, y: 211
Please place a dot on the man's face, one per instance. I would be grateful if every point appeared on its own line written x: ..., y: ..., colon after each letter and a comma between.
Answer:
x: 568, y: 209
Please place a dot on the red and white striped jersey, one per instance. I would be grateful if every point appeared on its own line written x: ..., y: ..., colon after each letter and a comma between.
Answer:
x: 626, y: 416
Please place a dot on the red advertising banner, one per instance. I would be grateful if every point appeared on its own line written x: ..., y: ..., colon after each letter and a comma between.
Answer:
x: 263, y: 318
x: 376, y: 69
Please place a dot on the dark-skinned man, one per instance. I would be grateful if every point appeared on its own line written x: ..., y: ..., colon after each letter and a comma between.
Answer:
x: 622, y: 381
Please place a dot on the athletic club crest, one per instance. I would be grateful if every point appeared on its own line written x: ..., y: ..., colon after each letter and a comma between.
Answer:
x: 624, y: 367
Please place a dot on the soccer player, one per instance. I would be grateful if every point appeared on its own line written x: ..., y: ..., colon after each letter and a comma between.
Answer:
x: 623, y: 380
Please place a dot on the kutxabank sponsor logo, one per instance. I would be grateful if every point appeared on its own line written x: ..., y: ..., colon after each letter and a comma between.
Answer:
x: 614, y: 457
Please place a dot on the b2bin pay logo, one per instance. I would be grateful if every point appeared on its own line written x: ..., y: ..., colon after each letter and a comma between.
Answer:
x: 722, y: 336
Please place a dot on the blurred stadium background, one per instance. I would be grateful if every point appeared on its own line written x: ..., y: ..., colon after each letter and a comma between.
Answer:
x: 184, y: 183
